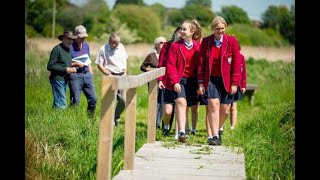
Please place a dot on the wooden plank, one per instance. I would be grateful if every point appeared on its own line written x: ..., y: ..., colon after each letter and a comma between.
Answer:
x: 133, y: 81
x: 154, y: 161
x: 130, y: 129
x: 251, y: 87
x: 106, y: 130
x: 152, y: 111
x: 250, y: 91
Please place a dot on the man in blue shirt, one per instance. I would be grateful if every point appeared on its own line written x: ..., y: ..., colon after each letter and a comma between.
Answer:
x: 82, y: 80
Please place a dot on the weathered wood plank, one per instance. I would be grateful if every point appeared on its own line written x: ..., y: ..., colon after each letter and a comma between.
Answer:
x: 250, y: 91
x: 130, y: 129
x: 106, y: 130
x: 153, y: 161
x: 133, y: 81
x: 152, y: 110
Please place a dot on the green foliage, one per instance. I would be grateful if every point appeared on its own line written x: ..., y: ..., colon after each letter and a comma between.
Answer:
x: 202, y: 14
x: 141, y: 19
x: 161, y: 12
x: 281, y: 19
x: 234, y: 14
x: 38, y: 13
x: 30, y: 32
x: 95, y: 16
x: 249, y: 35
x: 68, y: 18
x: 205, y: 3
x: 127, y: 36
x: 175, y: 17
x: 47, y: 30
x: 127, y: 2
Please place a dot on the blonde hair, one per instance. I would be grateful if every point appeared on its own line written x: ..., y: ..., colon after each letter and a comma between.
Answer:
x: 217, y: 20
x: 196, y: 28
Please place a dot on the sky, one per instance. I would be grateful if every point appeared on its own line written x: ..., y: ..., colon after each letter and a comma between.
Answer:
x: 254, y: 8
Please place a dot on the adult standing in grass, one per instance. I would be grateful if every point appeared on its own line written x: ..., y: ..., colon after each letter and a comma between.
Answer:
x: 168, y: 95
x: 152, y: 61
x: 181, y: 72
x: 60, y: 68
x: 82, y: 80
x: 112, y: 61
x: 219, y: 74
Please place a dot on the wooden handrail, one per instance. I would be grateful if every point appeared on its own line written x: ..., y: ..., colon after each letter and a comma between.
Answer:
x: 129, y: 83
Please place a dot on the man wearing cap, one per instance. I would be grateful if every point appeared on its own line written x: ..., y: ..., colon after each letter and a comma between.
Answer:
x: 112, y: 61
x: 82, y: 80
x: 60, y: 68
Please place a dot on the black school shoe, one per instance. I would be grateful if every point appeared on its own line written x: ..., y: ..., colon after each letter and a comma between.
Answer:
x: 182, y: 137
x: 165, y: 132
x: 214, y: 141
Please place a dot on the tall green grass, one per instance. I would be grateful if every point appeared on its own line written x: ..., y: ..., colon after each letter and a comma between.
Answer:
x: 62, y: 144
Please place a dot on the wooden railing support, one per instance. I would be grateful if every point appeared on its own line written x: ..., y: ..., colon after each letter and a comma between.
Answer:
x: 130, y: 129
x: 106, y: 130
x: 110, y: 85
x: 152, y: 111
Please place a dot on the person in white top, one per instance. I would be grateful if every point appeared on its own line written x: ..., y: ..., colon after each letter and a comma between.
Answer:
x: 112, y: 61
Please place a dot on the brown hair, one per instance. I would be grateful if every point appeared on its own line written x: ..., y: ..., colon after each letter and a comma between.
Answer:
x: 196, y: 28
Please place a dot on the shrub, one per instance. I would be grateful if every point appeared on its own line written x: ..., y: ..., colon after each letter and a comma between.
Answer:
x: 140, y: 19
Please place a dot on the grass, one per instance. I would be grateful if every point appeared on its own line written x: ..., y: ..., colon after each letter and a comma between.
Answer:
x: 63, y: 144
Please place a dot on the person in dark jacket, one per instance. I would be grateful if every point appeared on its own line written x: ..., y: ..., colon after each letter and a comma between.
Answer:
x: 152, y: 61
x: 60, y: 68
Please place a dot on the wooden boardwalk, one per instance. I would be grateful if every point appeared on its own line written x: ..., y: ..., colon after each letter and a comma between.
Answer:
x: 158, y: 162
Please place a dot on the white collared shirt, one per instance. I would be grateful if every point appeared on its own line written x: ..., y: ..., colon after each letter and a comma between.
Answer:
x: 114, y: 60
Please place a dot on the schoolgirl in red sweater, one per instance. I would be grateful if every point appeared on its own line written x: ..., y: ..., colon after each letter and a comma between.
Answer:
x: 181, y: 72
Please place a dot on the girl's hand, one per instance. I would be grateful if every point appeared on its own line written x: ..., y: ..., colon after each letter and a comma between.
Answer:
x: 161, y: 85
x: 201, y: 89
x: 177, y: 87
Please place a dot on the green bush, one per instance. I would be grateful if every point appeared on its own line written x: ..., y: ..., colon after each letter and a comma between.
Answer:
x: 47, y: 30
x: 251, y: 36
x: 30, y: 32
x: 140, y: 19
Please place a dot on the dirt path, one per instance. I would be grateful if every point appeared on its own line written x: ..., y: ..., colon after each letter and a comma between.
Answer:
x: 142, y: 50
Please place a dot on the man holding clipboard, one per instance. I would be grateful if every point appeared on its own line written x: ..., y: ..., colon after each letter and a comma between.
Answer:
x: 82, y: 80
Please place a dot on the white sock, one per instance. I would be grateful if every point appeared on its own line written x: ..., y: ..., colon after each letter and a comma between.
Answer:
x: 193, y: 130
x: 176, y: 136
x: 167, y: 126
x: 232, y: 128
x: 182, y: 130
x: 221, y: 129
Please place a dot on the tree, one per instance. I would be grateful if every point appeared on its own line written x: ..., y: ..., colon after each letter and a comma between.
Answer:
x: 126, y: 2
x: 282, y: 20
x: 206, y: 3
x: 140, y: 19
x: 234, y: 14
x: 202, y: 14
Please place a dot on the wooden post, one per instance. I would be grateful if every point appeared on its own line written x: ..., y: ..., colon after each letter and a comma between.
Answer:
x: 110, y: 86
x: 152, y: 111
x: 106, y: 130
x: 130, y: 129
